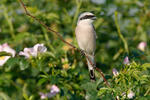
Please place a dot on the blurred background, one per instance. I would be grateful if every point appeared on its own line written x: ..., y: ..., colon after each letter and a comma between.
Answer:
x: 62, y: 65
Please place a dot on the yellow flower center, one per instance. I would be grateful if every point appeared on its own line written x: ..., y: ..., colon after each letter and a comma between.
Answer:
x: 66, y: 66
x: 2, y: 57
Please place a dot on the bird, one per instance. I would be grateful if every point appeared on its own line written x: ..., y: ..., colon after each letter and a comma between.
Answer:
x: 86, y: 39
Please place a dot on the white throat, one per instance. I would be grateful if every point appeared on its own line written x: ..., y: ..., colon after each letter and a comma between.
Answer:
x: 85, y: 22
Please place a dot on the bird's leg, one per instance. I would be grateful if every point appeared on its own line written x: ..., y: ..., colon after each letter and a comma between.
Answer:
x: 82, y: 52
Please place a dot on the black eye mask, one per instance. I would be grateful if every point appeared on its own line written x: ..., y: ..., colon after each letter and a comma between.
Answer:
x: 87, y: 17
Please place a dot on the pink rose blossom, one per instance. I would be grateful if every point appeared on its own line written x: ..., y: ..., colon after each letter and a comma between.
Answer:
x: 53, y: 91
x: 43, y: 96
x: 142, y: 46
x: 131, y: 94
x: 6, y: 48
x: 126, y: 61
x: 38, y: 48
x: 115, y: 72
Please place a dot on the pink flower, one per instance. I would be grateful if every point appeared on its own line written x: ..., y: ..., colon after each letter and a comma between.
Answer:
x: 38, y: 48
x: 43, y: 96
x: 54, y: 88
x: 115, y: 72
x: 6, y: 48
x: 53, y: 91
x: 131, y: 94
x: 126, y: 61
x: 142, y: 46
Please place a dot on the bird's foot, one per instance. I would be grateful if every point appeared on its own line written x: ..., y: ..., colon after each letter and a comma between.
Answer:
x: 82, y: 52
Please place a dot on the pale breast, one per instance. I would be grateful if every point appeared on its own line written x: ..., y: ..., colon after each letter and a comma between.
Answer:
x: 86, y: 37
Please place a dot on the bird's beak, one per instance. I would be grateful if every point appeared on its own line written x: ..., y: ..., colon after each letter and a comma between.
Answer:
x: 94, y: 18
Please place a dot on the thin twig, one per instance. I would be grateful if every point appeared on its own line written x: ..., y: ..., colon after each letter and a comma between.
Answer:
x: 61, y: 38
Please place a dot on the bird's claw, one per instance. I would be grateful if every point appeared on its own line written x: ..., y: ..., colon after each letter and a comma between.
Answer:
x: 82, y: 53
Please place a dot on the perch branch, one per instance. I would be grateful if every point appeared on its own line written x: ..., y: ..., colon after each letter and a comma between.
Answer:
x: 61, y: 38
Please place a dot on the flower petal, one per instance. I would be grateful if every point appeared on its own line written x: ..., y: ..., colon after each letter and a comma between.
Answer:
x: 27, y: 52
x: 131, y: 94
x: 3, y: 60
x: 142, y: 46
x: 126, y: 61
x: 54, y: 88
x: 7, y: 49
x: 43, y: 96
x: 115, y: 72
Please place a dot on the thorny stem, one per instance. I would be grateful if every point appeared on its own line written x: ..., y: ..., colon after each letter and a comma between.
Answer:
x: 100, y: 71
x: 61, y: 38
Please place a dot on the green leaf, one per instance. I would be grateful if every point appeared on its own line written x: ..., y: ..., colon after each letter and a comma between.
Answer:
x: 103, y: 91
x: 41, y: 81
x: 146, y: 65
x: 11, y: 62
x: 23, y: 64
x: 3, y: 53
x: 91, y: 90
x: 4, y: 96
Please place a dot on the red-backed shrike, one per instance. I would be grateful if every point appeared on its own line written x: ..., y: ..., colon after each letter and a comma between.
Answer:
x: 86, y: 38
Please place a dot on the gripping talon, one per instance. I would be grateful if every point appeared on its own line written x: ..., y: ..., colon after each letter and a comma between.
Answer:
x: 82, y: 53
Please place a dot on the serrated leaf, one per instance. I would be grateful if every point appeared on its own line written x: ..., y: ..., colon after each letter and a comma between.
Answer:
x: 103, y: 90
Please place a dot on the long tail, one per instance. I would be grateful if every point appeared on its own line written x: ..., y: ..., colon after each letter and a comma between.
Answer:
x: 90, y: 67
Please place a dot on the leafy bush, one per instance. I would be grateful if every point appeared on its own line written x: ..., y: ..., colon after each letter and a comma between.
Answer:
x: 121, y: 25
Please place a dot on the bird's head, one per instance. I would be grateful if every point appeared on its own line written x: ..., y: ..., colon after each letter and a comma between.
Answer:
x: 86, y: 17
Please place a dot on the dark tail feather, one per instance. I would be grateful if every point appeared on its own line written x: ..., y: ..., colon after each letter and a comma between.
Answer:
x: 92, y: 75
x: 91, y: 67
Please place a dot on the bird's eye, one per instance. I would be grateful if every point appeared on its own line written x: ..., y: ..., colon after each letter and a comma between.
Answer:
x: 87, y: 17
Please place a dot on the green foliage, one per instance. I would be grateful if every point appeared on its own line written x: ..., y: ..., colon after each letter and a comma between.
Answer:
x: 5, y: 54
x: 118, y: 36
x: 133, y: 77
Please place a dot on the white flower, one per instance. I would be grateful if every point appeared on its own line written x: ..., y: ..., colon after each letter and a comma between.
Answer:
x: 115, y: 72
x: 142, y: 46
x: 131, y: 94
x: 126, y: 61
x: 53, y: 91
x: 38, y: 48
x: 6, y: 48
